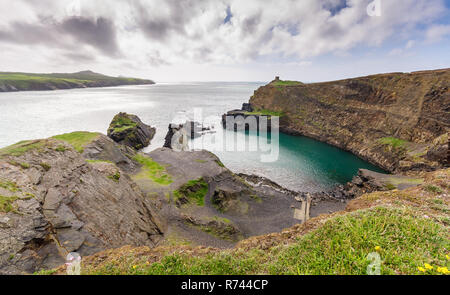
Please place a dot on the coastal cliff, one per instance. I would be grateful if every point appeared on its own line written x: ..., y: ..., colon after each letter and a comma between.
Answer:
x: 398, y: 121
x: 12, y: 81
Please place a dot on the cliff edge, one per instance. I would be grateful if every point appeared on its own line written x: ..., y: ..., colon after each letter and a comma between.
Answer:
x: 398, y: 121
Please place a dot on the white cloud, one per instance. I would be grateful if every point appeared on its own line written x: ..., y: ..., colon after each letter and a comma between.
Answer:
x: 155, y: 33
x: 437, y: 32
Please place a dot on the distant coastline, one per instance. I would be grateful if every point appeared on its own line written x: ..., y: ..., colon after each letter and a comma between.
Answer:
x: 14, y: 81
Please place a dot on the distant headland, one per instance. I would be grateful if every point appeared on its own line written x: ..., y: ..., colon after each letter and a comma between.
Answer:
x: 14, y: 81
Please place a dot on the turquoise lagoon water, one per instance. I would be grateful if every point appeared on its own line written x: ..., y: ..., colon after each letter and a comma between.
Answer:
x: 302, y: 164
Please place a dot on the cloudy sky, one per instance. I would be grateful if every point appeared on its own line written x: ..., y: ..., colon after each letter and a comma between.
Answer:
x: 225, y: 40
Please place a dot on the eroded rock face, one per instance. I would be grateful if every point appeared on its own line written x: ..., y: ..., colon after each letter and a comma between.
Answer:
x: 57, y: 203
x: 129, y: 130
x: 390, y: 120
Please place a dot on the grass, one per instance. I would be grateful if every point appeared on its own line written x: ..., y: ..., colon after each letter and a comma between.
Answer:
x: 46, y: 166
x: 21, y: 148
x: 394, y: 142
x: 433, y: 189
x: 121, y: 123
x: 28, y: 81
x: 265, y: 113
x: 340, y: 246
x: 220, y: 163
x: 286, y: 83
x: 6, y: 204
x: 77, y: 139
x: 399, y: 180
x: 194, y: 191
x: 115, y: 177
x: 9, y: 185
x: 152, y: 170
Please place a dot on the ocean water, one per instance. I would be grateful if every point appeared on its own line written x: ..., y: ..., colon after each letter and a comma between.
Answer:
x: 301, y: 163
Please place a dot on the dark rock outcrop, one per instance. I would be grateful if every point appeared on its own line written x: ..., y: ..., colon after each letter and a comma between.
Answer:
x: 178, y: 134
x: 129, y: 130
x: 53, y: 201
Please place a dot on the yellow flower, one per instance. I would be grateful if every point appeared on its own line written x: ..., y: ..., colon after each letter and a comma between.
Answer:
x: 377, y: 248
x: 427, y: 266
x: 448, y: 257
x: 443, y: 270
x: 421, y: 269
x: 134, y: 266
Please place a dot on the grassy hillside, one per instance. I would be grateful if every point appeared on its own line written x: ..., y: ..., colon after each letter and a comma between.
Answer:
x: 10, y: 81
x: 408, y: 229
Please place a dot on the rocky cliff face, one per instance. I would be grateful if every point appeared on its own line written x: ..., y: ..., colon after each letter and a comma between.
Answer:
x: 54, y: 201
x: 397, y: 121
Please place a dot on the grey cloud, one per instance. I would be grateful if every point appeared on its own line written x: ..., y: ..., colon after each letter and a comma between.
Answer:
x: 24, y: 33
x: 161, y: 27
x: 79, y: 57
x: 250, y: 24
x: 99, y: 33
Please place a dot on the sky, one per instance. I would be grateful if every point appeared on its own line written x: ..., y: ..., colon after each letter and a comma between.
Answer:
x: 225, y: 40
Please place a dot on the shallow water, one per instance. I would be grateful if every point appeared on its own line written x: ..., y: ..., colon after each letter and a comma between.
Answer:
x: 303, y: 164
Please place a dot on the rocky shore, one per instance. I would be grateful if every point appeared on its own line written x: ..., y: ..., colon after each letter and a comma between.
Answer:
x: 101, y: 197
x: 85, y: 192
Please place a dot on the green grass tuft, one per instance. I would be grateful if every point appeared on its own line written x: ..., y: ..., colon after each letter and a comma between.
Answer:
x: 9, y: 185
x: 265, y: 113
x: 6, y: 204
x: 77, y: 139
x: 393, y: 142
x: 287, y: 83
x: 194, y: 191
x: 21, y: 148
x: 152, y: 170
x: 433, y: 189
x: 121, y: 123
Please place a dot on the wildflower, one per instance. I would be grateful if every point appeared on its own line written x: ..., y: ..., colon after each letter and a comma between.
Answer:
x: 443, y: 270
x: 134, y: 266
x: 421, y: 269
x: 448, y: 257
x: 377, y: 248
x: 427, y: 266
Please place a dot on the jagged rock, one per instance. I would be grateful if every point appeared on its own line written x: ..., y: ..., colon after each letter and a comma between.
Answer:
x: 247, y: 107
x: 178, y: 134
x: 129, y: 130
x: 76, y: 206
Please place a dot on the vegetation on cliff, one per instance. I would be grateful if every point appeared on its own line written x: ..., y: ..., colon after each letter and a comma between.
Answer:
x: 408, y: 229
x: 10, y: 81
x: 77, y: 139
x: 152, y: 170
x: 398, y: 121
